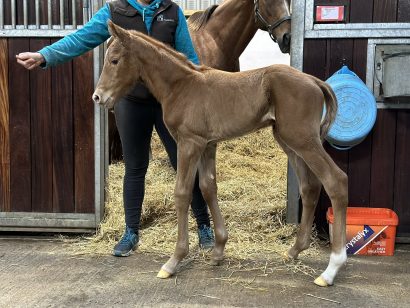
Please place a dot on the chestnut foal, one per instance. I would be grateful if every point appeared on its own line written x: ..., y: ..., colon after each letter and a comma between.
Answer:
x: 203, y: 106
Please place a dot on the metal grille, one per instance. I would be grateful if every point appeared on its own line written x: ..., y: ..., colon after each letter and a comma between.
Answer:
x: 42, y: 17
x: 196, y: 4
x: 57, y: 18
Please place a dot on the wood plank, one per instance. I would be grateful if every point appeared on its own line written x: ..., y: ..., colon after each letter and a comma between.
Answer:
x: 338, y: 52
x: 403, y: 11
x: 83, y: 133
x: 55, y: 12
x: 359, y: 168
x: 67, y: 13
x: 314, y: 58
x: 20, y: 136
x: 314, y: 63
x: 63, y: 138
x: 19, y: 12
x: 361, y: 11
x: 41, y: 135
x: 382, y: 160
x: 385, y: 11
x: 79, y: 12
x: 402, y: 171
x: 4, y: 129
x: 360, y: 58
x: 7, y: 12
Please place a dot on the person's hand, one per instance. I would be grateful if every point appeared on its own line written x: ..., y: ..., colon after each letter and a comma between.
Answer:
x: 30, y: 60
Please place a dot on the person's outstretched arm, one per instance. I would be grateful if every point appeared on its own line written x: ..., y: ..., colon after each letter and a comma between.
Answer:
x: 94, y: 33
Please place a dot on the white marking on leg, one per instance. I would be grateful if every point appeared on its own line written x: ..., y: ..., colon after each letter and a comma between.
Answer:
x: 335, y: 263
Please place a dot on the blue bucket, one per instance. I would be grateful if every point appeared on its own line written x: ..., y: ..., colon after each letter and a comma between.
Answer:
x: 356, y: 112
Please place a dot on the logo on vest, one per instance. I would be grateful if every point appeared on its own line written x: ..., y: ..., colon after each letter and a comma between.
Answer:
x: 161, y: 18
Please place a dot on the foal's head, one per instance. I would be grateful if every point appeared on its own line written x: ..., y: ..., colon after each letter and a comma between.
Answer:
x: 121, y: 69
x: 274, y: 16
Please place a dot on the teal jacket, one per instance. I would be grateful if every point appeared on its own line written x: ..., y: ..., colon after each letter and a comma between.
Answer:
x: 95, y: 32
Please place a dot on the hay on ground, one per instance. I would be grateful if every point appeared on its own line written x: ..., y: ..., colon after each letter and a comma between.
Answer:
x: 251, y: 176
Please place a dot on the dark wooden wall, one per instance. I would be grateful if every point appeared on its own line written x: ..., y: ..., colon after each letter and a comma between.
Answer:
x: 46, y: 127
x: 379, y: 167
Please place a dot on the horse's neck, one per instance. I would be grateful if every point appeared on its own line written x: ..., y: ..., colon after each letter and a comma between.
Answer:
x: 162, y: 73
x: 232, y: 26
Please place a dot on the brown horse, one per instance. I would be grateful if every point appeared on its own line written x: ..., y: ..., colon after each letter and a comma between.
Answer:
x: 221, y: 33
x: 203, y: 106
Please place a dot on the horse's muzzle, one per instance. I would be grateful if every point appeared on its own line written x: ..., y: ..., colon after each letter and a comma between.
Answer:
x: 284, y: 44
x: 96, y: 98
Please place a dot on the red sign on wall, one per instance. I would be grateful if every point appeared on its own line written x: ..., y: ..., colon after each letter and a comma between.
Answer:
x: 327, y: 13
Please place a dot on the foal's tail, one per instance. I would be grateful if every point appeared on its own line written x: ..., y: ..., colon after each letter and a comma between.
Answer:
x: 331, y: 107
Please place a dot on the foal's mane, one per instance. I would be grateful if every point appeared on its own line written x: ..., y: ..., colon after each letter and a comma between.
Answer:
x: 199, y: 19
x: 157, y: 45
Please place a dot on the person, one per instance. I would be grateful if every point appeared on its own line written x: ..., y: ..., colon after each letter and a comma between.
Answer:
x: 138, y: 112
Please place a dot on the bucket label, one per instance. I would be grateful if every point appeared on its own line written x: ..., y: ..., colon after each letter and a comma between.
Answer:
x: 357, y: 241
x: 366, y: 239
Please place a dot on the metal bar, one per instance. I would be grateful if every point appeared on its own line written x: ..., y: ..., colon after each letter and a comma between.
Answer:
x: 49, y: 14
x: 309, y: 13
x: 13, y: 14
x: 100, y: 133
x: 47, y: 220
x: 33, y: 32
x: 85, y: 11
x: 298, y: 31
x: 25, y: 14
x: 362, y: 26
x: 62, y: 14
x: 296, y: 60
x: 1, y: 14
x: 363, y: 33
x: 74, y: 13
x: 38, y: 14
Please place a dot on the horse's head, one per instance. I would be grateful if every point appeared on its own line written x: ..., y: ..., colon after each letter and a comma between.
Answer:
x: 116, y: 78
x: 274, y: 16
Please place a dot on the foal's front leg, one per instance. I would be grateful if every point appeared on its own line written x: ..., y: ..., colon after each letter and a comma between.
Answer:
x: 189, y: 152
x: 207, y: 183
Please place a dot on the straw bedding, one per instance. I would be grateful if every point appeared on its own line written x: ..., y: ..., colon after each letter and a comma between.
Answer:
x: 251, y: 176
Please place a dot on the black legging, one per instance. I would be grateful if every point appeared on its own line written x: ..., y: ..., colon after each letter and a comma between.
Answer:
x: 135, y: 122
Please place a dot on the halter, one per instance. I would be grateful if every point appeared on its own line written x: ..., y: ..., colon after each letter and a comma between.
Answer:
x: 269, y: 27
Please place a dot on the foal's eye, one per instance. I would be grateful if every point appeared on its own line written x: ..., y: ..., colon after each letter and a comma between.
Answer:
x: 115, y: 61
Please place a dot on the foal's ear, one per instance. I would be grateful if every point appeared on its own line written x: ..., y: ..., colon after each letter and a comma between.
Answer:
x: 118, y: 32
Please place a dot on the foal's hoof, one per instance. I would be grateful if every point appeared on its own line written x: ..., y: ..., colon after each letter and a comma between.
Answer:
x: 163, y: 274
x: 321, y: 282
x: 286, y: 257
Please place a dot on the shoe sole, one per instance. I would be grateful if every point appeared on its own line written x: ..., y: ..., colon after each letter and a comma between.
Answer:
x: 124, y: 254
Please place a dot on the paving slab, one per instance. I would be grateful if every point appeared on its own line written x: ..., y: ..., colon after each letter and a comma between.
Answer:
x: 41, y: 272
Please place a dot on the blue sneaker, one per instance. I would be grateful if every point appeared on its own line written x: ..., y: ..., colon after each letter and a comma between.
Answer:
x: 127, y: 244
x: 206, y: 237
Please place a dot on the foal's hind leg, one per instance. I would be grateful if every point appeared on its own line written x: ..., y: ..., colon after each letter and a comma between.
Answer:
x: 207, y: 183
x: 334, y: 182
x: 189, y: 152
x: 309, y: 188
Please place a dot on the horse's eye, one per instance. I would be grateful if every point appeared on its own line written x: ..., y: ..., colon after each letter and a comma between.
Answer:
x: 115, y: 61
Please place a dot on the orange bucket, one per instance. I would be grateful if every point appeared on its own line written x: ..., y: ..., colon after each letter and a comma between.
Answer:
x: 369, y: 231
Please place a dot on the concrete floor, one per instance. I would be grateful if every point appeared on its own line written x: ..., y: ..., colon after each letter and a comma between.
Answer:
x: 41, y: 273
